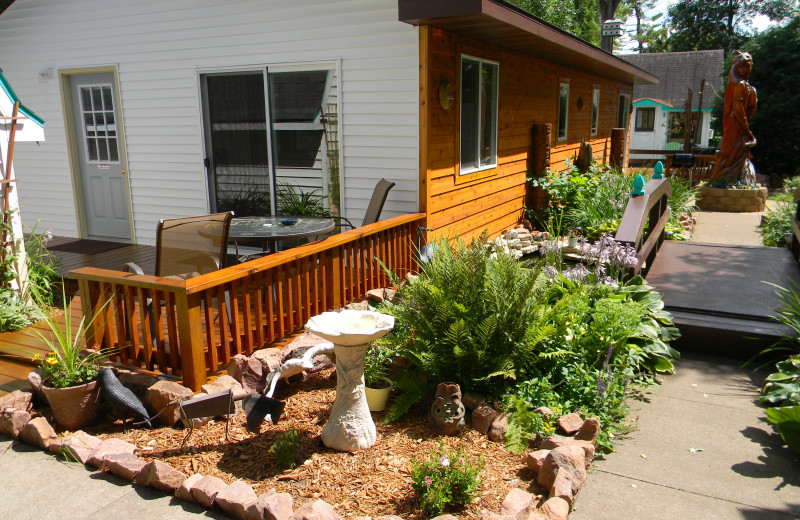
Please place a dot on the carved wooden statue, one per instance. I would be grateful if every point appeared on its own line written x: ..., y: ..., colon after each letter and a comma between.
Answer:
x: 734, y: 163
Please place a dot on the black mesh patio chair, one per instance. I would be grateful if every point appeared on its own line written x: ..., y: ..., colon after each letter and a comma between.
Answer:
x: 375, y: 207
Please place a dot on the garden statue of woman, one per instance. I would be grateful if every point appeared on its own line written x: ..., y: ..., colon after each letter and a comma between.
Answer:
x: 734, y: 163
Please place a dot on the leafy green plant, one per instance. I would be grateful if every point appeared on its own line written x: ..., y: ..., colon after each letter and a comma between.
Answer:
x: 777, y: 224
x: 68, y: 363
x: 250, y: 201
x: 783, y: 386
x: 445, y: 479
x: 467, y: 318
x: 299, y: 203
x: 787, y: 421
x: 376, y: 366
x: 43, y: 278
x: 286, y: 448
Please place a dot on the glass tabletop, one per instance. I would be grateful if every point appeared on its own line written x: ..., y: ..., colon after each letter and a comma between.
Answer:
x: 278, y: 227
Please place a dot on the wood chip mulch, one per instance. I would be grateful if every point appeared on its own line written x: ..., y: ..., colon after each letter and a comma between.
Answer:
x: 371, y: 482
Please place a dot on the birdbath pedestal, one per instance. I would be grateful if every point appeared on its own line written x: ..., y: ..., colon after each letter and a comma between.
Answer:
x: 350, y: 426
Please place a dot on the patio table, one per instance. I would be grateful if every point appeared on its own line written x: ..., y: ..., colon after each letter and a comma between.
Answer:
x: 269, y: 230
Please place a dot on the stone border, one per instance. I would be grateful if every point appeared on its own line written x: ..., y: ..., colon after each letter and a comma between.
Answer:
x: 734, y: 200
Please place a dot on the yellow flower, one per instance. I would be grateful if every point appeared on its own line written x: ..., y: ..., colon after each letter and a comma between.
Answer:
x: 36, y: 356
x: 51, y: 360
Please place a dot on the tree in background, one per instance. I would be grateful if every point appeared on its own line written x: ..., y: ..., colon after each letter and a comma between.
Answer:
x: 719, y: 24
x: 650, y: 35
x: 776, y: 76
x: 578, y: 17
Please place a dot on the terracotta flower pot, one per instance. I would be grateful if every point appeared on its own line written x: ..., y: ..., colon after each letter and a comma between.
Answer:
x: 74, y: 407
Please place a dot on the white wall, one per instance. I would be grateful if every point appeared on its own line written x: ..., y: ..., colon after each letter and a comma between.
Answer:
x: 657, y: 139
x: 159, y: 47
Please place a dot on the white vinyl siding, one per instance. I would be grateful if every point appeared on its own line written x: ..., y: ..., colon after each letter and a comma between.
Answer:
x: 159, y: 50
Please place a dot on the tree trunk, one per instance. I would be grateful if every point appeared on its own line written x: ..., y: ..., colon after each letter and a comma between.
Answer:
x: 606, y: 9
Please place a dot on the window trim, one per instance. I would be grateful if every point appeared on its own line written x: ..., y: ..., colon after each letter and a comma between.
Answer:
x: 496, y: 127
x: 559, y: 138
x: 637, y: 127
x: 627, y: 97
x: 595, y: 124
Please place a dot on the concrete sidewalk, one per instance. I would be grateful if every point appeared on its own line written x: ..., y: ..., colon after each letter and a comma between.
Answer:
x: 717, y: 227
x: 37, y: 486
x: 701, y: 449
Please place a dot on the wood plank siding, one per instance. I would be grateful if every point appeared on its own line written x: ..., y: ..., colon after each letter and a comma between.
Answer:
x: 159, y: 50
x: 528, y: 93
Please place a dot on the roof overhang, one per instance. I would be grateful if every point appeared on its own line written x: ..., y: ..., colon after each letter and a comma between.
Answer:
x: 30, y: 127
x: 502, y: 24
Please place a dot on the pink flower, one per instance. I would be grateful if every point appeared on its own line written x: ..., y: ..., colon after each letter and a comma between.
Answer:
x: 445, y: 462
x: 428, y: 481
x: 461, y: 461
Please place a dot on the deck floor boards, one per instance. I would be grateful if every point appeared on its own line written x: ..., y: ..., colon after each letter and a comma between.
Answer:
x: 144, y: 256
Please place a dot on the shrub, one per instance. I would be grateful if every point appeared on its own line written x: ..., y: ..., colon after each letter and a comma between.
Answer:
x: 777, y: 224
x: 469, y: 318
x: 286, y: 448
x: 445, y: 479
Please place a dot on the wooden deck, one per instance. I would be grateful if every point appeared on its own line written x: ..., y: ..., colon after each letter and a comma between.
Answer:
x: 145, y: 256
x: 18, y: 348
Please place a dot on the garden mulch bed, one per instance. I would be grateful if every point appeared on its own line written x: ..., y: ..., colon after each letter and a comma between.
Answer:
x: 371, y: 482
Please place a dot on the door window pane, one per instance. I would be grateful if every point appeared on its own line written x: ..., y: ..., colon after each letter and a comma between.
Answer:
x: 595, y: 109
x: 97, y: 106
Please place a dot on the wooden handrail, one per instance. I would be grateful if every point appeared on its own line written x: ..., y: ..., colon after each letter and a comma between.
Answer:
x: 237, y: 272
x: 192, y: 328
x: 651, y: 210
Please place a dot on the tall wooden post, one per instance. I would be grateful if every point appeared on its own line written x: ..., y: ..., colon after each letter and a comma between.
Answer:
x: 190, y: 336
x: 617, y: 156
x: 538, y: 162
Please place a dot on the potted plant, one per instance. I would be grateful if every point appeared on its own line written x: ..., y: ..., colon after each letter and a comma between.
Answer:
x: 376, y: 369
x: 69, y: 370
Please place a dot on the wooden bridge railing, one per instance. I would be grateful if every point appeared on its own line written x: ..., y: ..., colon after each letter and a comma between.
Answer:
x: 192, y: 328
x: 650, y: 210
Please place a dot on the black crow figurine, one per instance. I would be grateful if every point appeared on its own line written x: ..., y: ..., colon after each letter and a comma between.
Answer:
x: 124, y: 403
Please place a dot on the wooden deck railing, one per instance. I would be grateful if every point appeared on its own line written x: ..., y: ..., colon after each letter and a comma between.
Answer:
x: 650, y: 210
x: 192, y: 328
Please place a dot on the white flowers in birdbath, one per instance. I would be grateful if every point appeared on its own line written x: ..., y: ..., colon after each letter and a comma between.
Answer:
x: 350, y: 426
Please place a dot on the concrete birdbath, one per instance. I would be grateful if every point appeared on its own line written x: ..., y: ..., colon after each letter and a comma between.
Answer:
x: 350, y: 426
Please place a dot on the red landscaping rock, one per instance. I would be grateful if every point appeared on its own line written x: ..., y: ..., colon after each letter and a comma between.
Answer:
x: 544, y: 411
x: 124, y: 465
x: 206, y: 489
x: 482, y: 417
x: 471, y: 400
x: 35, y: 380
x: 570, y: 423
x: 38, y: 432
x: 109, y: 448
x: 562, y: 486
x: 516, y: 501
x: 235, y: 499
x: 136, y: 382
x: 445, y: 517
x: 79, y: 446
x: 223, y: 383
x: 12, y: 421
x: 184, y: 491
x: 270, y: 359
x: 161, y: 395
x: 568, y: 459
x: 558, y: 441
x: 554, y: 509
x: 317, y: 510
x: 491, y: 515
x: 389, y: 517
x: 271, y: 506
x: 499, y: 428
x: 160, y: 475
x: 589, y: 430
x: 381, y: 295
x: 253, y: 376
x: 236, y: 366
x: 535, y: 459
x: 18, y: 399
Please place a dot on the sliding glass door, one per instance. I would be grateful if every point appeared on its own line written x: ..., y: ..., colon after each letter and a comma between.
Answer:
x: 275, y: 149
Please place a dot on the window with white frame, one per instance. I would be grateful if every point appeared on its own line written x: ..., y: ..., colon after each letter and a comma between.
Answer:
x: 595, y: 109
x: 563, y: 110
x: 479, y: 82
